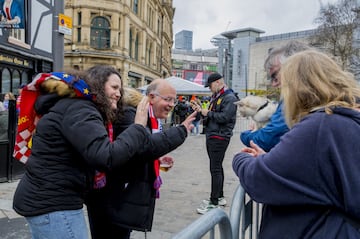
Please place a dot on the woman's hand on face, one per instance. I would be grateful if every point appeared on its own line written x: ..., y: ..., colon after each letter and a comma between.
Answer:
x: 142, y: 109
x: 188, y: 121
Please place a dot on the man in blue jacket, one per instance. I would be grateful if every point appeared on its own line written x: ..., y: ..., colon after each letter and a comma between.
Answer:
x: 268, y: 136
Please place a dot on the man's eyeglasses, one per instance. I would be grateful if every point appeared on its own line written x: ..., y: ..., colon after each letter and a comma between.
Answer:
x: 167, y: 99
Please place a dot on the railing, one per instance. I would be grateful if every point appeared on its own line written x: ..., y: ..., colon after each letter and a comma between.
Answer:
x: 241, y: 217
x: 242, y: 124
x: 206, y: 223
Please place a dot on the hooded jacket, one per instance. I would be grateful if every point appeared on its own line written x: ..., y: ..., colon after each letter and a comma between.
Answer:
x: 310, y: 180
x: 70, y: 142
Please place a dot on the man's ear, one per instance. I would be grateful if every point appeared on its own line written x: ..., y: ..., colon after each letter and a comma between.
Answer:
x: 151, y: 98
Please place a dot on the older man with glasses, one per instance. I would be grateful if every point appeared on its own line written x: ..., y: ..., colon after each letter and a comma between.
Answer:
x: 268, y: 136
x: 127, y: 202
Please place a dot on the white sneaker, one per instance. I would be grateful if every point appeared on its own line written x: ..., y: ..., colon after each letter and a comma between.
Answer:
x: 221, y: 201
x: 204, y: 208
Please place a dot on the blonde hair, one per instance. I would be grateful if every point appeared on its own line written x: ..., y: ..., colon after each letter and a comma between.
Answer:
x: 312, y: 80
x: 11, y: 96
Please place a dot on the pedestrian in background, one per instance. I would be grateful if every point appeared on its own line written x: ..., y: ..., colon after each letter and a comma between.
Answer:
x: 268, y: 136
x: 220, y: 119
x: 309, y: 182
x: 7, y: 97
x: 73, y: 148
x: 196, y: 122
x: 127, y: 202
x: 4, y: 121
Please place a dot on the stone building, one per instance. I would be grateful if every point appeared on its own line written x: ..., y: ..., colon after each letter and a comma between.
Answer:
x: 245, y: 53
x: 134, y: 36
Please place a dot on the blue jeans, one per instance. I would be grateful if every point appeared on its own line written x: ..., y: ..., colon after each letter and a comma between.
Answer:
x: 68, y: 224
x: 196, y: 124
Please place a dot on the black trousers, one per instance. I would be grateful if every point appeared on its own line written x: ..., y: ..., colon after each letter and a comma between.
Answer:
x: 101, y: 225
x: 216, y: 149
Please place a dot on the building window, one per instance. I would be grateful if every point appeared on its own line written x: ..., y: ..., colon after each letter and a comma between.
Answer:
x: 18, y: 34
x: 79, y: 18
x: 15, y: 81
x: 24, y: 79
x: 130, y: 44
x: 79, y: 34
x: 149, y: 55
x: 136, y: 6
x: 100, y: 33
x: 137, y: 47
x: 5, y: 80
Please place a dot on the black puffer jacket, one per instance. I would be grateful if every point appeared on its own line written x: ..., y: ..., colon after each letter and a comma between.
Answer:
x: 132, y: 207
x: 69, y: 143
x: 221, y: 120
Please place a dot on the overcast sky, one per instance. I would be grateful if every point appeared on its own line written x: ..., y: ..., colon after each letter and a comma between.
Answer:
x: 208, y: 18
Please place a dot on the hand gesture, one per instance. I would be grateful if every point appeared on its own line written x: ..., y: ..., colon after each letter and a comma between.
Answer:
x: 188, y: 121
x: 254, y: 149
x: 141, y: 116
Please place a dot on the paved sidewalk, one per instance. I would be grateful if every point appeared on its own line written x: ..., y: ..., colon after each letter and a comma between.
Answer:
x: 184, y: 187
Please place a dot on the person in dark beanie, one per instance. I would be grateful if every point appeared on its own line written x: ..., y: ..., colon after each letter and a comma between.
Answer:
x: 219, y: 120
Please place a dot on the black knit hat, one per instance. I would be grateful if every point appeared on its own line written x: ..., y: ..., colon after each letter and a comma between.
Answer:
x: 213, y: 77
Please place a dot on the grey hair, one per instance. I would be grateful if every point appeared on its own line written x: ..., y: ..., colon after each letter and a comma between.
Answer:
x: 283, y: 52
x: 152, y: 87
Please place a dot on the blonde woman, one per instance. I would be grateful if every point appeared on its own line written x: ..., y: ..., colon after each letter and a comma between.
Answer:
x: 8, y: 96
x: 309, y: 182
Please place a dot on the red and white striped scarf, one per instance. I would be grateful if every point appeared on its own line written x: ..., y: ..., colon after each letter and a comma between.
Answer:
x: 156, y: 127
x: 28, y: 117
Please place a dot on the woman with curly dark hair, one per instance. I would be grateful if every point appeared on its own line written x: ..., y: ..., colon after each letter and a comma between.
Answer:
x: 72, y: 148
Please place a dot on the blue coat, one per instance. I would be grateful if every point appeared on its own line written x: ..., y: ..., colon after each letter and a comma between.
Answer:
x: 310, y: 175
x: 268, y: 136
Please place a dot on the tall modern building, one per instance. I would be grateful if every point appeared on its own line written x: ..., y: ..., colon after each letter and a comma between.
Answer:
x: 183, y: 40
x: 242, y: 53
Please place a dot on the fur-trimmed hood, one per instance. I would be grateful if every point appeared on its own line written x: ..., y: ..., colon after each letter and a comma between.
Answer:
x: 132, y: 97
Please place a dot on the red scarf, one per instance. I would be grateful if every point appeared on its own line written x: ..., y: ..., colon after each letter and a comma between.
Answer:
x: 215, y: 97
x: 156, y: 127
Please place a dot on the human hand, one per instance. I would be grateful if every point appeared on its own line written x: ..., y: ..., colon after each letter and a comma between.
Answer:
x: 188, y: 121
x: 254, y: 149
x: 166, y: 163
x: 142, y: 109
x: 204, y: 112
x: 195, y: 106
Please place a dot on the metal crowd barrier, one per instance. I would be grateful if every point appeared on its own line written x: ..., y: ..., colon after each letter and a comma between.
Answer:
x: 241, y: 218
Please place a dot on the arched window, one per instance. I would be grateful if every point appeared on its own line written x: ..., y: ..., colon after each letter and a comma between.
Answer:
x: 15, y: 81
x: 100, y: 33
x: 6, y: 80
